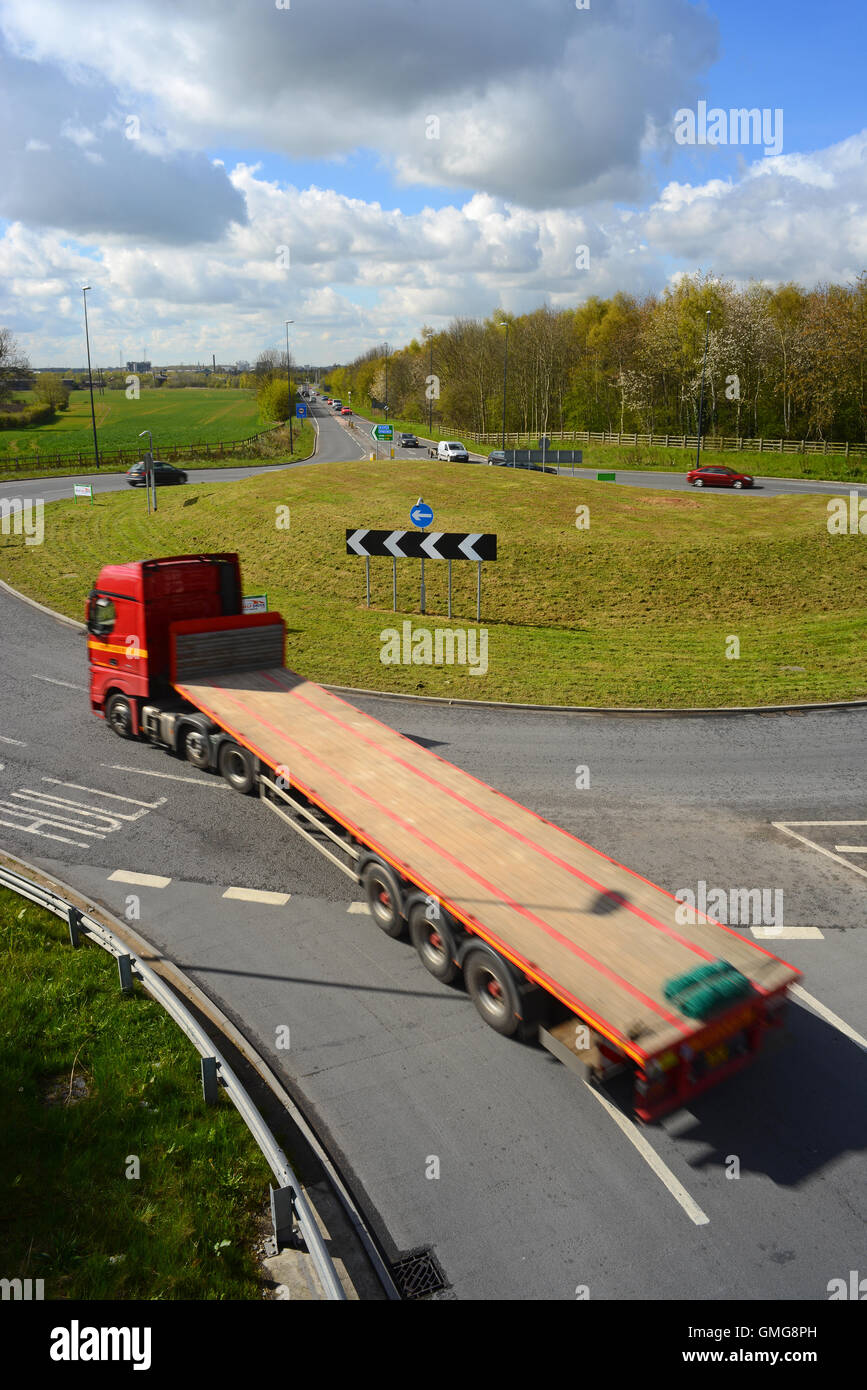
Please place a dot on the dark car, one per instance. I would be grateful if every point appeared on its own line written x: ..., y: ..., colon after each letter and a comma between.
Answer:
x: 717, y: 475
x: 163, y: 473
x: 497, y: 458
x: 407, y: 441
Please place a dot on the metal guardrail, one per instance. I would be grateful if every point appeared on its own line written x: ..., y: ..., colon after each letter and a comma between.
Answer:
x: 289, y: 1198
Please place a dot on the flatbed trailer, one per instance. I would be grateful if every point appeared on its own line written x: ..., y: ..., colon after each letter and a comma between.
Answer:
x: 555, y: 939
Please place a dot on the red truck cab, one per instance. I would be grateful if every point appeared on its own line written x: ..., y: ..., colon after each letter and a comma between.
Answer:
x: 129, y: 612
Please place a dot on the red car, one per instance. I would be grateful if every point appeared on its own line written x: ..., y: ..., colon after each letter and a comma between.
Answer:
x: 346, y: 410
x: 716, y: 475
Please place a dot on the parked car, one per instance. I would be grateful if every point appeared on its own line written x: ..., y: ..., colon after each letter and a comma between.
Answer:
x: 717, y: 475
x: 407, y: 441
x: 452, y: 451
x: 163, y: 473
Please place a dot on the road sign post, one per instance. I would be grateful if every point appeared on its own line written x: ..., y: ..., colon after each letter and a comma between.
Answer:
x: 82, y: 490
x: 422, y: 516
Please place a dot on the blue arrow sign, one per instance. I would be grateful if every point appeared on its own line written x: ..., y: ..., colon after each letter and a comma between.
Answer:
x: 300, y: 411
x: 421, y: 514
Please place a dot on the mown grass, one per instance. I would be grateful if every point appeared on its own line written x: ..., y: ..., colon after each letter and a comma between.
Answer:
x: 273, y: 448
x: 818, y: 467
x: 637, y: 610
x: 186, y: 415
x: 88, y: 1078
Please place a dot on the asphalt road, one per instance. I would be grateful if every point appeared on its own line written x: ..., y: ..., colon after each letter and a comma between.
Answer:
x: 342, y: 442
x: 539, y: 1188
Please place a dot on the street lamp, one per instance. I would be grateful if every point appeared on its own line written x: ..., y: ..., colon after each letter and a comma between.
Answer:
x: 701, y: 397
x: 150, y: 478
x: 386, y: 383
x: 289, y: 384
x: 505, y: 369
x: 84, y: 290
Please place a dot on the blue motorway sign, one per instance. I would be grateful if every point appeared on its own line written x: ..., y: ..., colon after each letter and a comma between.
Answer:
x: 300, y: 411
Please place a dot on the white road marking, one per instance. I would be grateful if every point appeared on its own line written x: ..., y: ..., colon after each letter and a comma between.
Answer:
x: 171, y: 777
x: 836, y: 1022
x: 112, y: 796
x: 51, y: 681
x: 788, y: 933
x: 358, y: 907
x: 44, y: 834
x: 662, y: 1171
x: 851, y: 849
x: 258, y: 895
x: 785, y: 826
x: 145, y: 880
x: 13, y: 740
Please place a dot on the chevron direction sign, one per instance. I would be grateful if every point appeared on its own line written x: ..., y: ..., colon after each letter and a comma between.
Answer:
x: 422, y: 545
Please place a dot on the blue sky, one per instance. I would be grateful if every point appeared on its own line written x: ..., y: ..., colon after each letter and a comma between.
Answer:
x: 556, y: 132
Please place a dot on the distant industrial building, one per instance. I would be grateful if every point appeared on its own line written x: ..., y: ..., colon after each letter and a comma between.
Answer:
x: 138, y: 367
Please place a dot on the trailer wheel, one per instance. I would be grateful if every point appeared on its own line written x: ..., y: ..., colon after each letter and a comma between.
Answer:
x: 492, y: 990
x: 382, y: 891
x: 434, y: 942
x: 118, y: 715
x: 196, y: 749
x: 237, y: 766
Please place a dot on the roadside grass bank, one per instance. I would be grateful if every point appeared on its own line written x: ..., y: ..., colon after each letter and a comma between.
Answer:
x: 91, y: 1079
x: 817, y: 467
x: 666, y: 599
x: 274, y: 448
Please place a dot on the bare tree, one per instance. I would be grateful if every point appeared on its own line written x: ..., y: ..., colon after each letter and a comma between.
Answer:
x: 13, y: 363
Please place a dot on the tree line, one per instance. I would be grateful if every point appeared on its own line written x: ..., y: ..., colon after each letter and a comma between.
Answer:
x: 781, y: 362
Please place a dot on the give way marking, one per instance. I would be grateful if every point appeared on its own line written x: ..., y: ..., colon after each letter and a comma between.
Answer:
x: 84, y: 820
x: 839, y: 850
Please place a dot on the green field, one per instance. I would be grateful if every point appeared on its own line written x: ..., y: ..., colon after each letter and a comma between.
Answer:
x: 636, y: 611
x: 188, y: 415
x: 819, y: 467
x: 88, y: 1077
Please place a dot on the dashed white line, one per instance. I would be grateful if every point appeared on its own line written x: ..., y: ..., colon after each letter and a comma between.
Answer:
x: 51, y: 681
x: 851, y: 849
x: 171, y: 777
x: 13, y: 740
x: 358, y: 907
x: 817, y: 1008
x: 661, y: 1169
x: 258, y: 895
x: 144, y: 880
x: 786, y: 827
x: 788, y: 933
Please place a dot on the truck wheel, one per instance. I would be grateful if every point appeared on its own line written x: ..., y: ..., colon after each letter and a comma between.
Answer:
x: 237, y: 766
x: 196, y: 749
x: 382, y: 891
x: 434, y: 942
x: 118, y: 714
x: 492, y: 990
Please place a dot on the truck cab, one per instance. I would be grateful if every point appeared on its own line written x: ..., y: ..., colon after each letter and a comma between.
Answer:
x: 130, y: 610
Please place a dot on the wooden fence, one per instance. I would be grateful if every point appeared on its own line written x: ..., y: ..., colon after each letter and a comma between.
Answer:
x: 170, y: 453
x: 726, y: 443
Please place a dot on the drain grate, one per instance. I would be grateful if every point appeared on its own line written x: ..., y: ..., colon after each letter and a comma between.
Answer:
x: 418, y: 1274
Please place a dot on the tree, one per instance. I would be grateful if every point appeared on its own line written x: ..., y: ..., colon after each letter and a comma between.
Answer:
x: 50, y: 390
x: 13, y: 363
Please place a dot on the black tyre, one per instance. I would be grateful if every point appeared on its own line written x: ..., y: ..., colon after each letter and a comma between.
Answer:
x: 492, y: 989
x: 434, y: 941
x: 197, y: 748
x: 382, y: 892
x: 238, y: 767
x: 118, y: 715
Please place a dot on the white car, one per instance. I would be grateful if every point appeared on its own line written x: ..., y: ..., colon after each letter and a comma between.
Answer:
x: 452, y: 451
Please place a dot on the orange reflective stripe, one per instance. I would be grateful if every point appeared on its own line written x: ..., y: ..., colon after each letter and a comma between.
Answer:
x: 138, y: 652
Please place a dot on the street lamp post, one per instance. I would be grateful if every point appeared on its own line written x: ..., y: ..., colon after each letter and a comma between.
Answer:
x: 84, y: 290
x: 505, y: 369
x: 701, y: 396
x: 430, y: 396
x: 289, y: 384
x: 150, y: 478
x: 386, y: 383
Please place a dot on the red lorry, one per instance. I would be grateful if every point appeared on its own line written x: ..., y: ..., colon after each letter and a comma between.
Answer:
x: 555, y: 940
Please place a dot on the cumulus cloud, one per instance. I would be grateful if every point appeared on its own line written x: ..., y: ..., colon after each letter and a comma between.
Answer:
x: 532, y: 100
